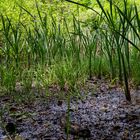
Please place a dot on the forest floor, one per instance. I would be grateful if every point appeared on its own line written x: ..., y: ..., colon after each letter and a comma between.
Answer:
x: 102, y: 113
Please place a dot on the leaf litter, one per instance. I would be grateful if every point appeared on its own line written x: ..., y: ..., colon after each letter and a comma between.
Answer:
x: 101, y: 114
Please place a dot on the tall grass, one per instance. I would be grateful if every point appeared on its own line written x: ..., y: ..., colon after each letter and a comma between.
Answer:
x: 120, y: 22
x: 66, y: 53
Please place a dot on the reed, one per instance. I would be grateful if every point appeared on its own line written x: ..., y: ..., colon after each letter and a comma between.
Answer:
x: 54, y: 50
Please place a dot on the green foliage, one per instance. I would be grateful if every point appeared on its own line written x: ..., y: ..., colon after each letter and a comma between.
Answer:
x: 55, y: 42
x: 8, y: 79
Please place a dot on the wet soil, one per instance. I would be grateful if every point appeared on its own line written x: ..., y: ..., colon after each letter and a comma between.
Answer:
x: 101, y: 114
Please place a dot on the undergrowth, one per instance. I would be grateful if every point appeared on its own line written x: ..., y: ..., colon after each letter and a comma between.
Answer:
x: 67, y: 53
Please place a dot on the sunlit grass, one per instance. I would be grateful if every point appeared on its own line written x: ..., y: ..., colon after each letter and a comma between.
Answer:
x: 67, y: 53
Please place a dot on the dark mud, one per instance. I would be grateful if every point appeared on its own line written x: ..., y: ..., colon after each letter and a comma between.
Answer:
x: 99, y: 115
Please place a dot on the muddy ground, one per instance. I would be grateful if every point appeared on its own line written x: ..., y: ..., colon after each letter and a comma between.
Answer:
x: 102, y: 113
